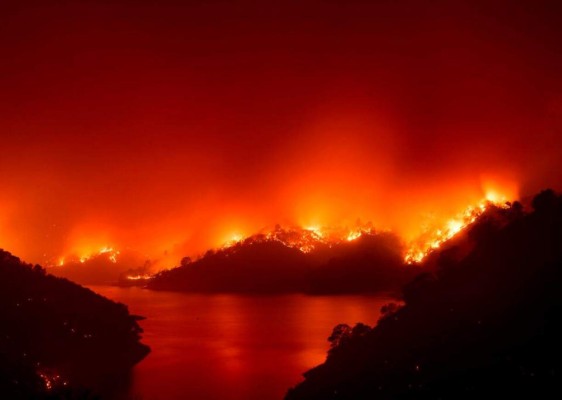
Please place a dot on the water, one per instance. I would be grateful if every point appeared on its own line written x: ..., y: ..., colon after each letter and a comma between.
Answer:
x: 233, y: 347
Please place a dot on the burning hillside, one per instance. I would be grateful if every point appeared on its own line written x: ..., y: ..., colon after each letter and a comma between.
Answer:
x: 320, y: 243
x: 484, y: 325
x: 305, y: 239
x: 308, y: 239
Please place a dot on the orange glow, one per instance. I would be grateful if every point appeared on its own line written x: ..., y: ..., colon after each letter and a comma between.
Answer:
x: 305, y: 239
x: 107, y: 251
x: 351, y: 236
x: 234, y: 239
x: 499, y: 192
x: 429, y: 234
x: 430, y: 238
x: 167, y: 147
x: 315, y: 231
x: 433, y: 239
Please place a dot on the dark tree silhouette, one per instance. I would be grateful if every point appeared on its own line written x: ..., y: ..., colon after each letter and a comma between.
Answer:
x: 485, y: 321
x: 56, y: 336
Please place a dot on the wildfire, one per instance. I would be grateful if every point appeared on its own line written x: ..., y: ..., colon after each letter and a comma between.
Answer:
x: 110, y: 252
x: 432, y: 240
x: 138, y: 277
x: 315, y: 230
x: 305, y: 239
x: 233, y: 240
x: 351, y: 236
x: 309, y: 238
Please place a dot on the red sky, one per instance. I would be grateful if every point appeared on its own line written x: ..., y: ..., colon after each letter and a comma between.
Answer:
x: 162, y: 125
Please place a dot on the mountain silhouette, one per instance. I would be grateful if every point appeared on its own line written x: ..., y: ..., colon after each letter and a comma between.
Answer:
x: 484, y: 320
x: 58, y: 339
x: 261, y: 264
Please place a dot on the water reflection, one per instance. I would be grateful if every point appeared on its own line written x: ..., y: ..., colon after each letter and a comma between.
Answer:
x: 233, y: 347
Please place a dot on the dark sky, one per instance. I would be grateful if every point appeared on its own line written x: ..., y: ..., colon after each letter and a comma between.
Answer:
x: 162, y: 125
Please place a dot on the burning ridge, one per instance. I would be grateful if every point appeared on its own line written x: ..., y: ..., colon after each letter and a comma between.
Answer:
x: 315, y: 260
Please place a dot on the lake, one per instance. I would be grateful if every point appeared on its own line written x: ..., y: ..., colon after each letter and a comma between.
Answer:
x: 233, y: 347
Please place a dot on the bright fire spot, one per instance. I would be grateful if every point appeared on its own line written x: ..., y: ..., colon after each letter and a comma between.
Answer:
x: 112, y: 254
x: 234, y: 239
x: 495, y: 197
x: 109, y: 252
x: 351, y: 236
x: 455, y: 226
x: 420, y: 248
x: 316, y: 230
x: 138, y: 277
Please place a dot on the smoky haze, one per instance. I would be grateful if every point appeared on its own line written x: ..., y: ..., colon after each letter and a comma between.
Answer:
x: 168, y: 130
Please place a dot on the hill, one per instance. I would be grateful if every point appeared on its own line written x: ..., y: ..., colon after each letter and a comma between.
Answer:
x: 484, y: 322
x: 293, y: 262
x: 57, y: 337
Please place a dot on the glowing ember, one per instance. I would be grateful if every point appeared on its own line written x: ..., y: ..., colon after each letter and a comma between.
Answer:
x: 51, y: 379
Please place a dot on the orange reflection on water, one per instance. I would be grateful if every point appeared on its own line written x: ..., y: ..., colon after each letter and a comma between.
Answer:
x: 233, y: 347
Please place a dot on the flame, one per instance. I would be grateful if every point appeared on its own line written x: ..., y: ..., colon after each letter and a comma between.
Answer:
x: 233, y: 240
x: 309, y: 236
x: 110, y: 252
x: 315, y: 230
x: 420, y: 248
x: 138, y: 277
x: 307, y: 239
x: 304, y: 239
x: 351, y: 236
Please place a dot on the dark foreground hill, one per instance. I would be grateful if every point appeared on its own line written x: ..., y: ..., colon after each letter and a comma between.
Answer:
x: 371, y: 263
x: 487, y: 323
x: 57, y: 338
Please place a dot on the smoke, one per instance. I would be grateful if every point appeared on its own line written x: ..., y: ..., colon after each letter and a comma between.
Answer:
x: 167, y: 131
